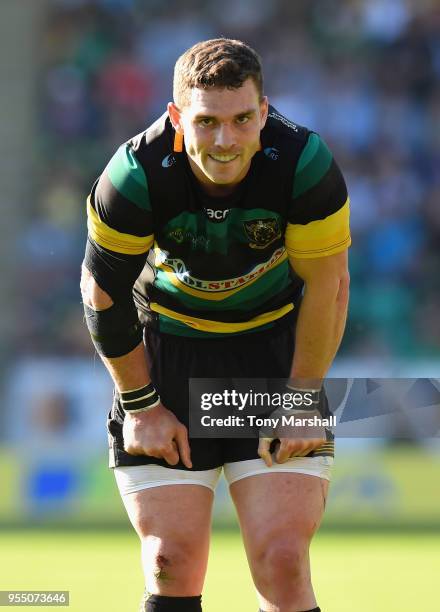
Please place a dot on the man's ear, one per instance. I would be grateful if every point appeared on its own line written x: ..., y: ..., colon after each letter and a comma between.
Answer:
x: 175, y: 117
x: 264, y: 110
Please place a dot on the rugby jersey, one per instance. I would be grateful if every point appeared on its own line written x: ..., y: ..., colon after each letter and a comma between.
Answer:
x: 215, y: 265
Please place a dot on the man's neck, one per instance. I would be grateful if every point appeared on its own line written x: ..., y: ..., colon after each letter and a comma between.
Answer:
x: 217, y: 191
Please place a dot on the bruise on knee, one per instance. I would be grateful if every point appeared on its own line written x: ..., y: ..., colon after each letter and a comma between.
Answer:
x: 160, y: 572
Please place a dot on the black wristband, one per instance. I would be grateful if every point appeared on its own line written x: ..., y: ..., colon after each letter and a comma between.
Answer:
x: 139, y: 400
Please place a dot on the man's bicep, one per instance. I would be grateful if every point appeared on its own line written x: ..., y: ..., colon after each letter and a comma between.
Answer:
x: 114, y: 273
x: 120, y: 224
x: 321, y: 269
x: 318, y: 216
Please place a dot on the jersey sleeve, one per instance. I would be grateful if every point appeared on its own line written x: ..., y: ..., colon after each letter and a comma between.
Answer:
x: 318, y: 217
x: 118, y: 209
x: 119, y: 223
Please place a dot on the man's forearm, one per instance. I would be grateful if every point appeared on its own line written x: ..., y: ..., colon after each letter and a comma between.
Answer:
x: 319, y: 330
x: 130, y: 371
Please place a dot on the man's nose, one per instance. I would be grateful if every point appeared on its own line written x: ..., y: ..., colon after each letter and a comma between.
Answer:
x: 224, y: 137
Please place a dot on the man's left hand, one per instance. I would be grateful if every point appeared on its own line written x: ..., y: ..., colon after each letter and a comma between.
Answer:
x: 292, y: 442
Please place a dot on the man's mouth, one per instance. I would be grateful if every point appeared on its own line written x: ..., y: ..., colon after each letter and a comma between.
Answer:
x: 224, y: 159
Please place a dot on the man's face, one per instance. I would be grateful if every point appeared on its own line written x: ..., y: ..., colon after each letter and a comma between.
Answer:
x: 221, y: 128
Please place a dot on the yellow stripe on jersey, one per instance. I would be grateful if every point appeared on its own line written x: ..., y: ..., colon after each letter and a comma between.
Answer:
x: 111, y: 239
x: 320, y: 238
x: 221, y: 327
x: 255, y: 275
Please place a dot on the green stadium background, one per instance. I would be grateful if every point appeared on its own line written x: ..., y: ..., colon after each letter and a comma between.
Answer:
x: 80, y: 77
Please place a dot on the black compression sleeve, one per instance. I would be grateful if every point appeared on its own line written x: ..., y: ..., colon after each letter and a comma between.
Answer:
x: 115, y: 273
x: 115, y: 331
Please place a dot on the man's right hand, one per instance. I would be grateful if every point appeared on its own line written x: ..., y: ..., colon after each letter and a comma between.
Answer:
x: 157, y: 433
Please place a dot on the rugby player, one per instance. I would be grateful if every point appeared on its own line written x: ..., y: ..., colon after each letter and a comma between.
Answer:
x: 217, y: 248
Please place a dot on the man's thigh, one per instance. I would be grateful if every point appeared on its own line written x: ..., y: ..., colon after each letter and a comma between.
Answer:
x: 173, y: 523
x: 278, y: 507
x: 279, y: 513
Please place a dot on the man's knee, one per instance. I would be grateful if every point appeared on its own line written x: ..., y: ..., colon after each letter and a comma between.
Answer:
x: 281, y: 572
x: 169, y: 560
x: 283, y: 558
x: 173, y: 565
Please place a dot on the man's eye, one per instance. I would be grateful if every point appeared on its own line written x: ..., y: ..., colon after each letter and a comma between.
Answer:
x: 205, y: 122
x: 243, y: 119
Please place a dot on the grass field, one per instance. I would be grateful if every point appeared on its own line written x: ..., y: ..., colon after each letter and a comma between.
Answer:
x: 363, y: 572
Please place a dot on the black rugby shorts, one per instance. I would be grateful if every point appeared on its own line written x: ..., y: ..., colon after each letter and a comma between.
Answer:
x: 176, y: 359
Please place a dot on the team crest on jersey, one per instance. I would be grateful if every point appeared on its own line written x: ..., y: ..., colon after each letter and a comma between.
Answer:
x: 262, y: 232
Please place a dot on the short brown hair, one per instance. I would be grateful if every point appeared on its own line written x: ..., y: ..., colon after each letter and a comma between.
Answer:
x: 220, y: 62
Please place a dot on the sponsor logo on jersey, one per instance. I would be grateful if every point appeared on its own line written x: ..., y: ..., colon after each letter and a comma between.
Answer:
x: 262, y: 232
x: 181, y: 235
x: 285, y: 121
x: 271, y: 153
x: 217, y: 215
x: 168, y: 161
x: 178, y: 267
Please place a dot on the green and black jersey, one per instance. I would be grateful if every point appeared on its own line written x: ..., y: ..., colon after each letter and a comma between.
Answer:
x: 214, y: 266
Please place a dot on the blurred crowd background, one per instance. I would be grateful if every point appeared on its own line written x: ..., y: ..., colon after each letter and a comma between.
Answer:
x: 364, y: 74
